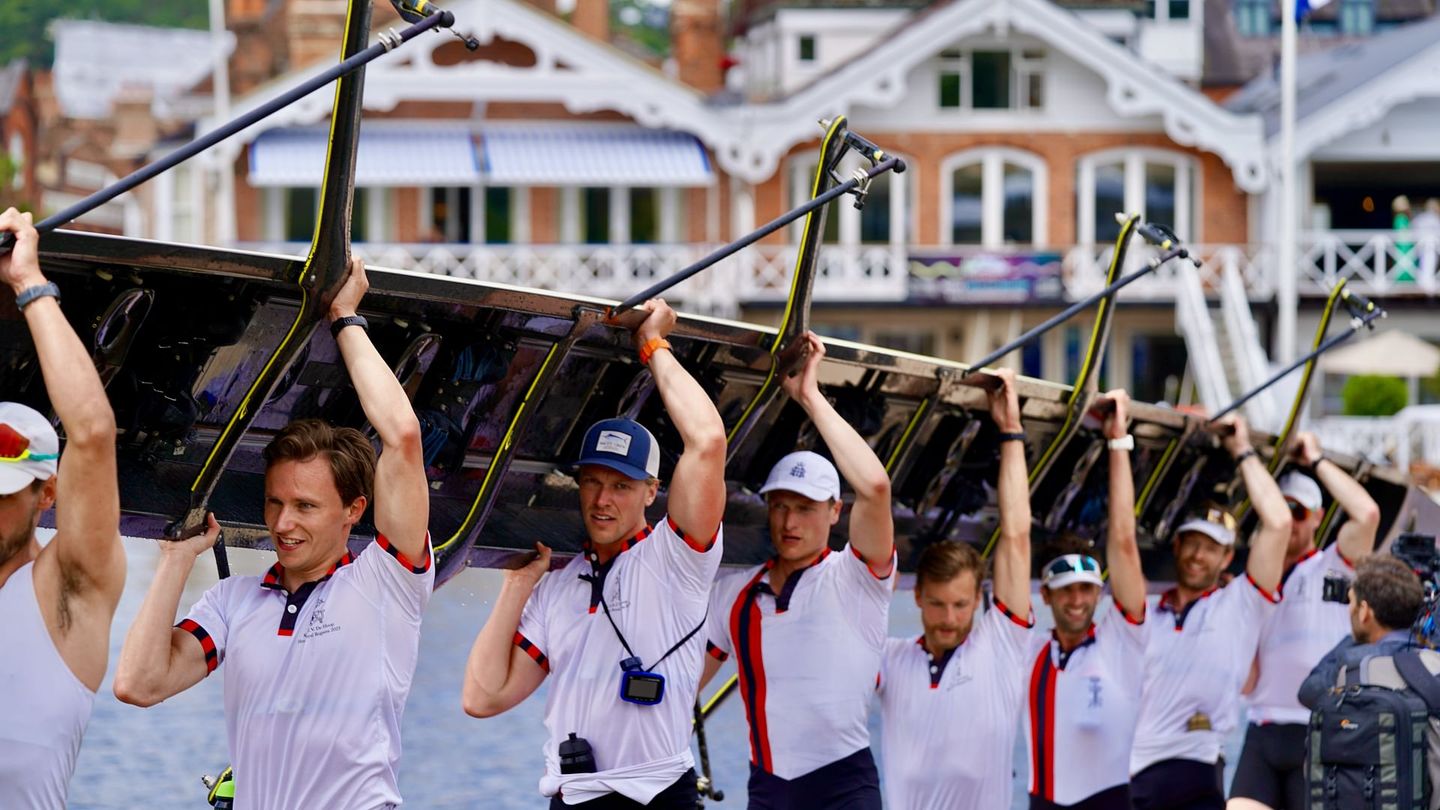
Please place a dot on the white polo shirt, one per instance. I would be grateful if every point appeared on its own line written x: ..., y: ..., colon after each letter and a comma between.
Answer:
x: 1196, y: 661
x: 807, y: 657
x: 948, y: 726
x: 316, y: 681
x: 1299, y: 633
x: 657, y: 589
x: 1082, y: 707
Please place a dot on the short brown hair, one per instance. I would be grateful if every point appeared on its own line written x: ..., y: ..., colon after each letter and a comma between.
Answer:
x: 352, y: 459
x: 947, y: 559
x: 1391, y: 589
x: 1066, y: 542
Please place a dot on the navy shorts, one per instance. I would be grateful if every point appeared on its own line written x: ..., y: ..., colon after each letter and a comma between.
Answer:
x: 1115, y: 798
x: 851, y: 783
x: 1178, y: 784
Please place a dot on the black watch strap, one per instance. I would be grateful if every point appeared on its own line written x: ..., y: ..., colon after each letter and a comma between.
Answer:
x: 1245, y: 455
x: 1012, y: 437
x: 349, y: 320
x: 29, y: 295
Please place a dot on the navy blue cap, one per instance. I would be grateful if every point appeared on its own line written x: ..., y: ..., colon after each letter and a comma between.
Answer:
x: 622, y: 445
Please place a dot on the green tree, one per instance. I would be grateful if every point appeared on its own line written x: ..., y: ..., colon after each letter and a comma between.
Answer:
x: 1373, y: 395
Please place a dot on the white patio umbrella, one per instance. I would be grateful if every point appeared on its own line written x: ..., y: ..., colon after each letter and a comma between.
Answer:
x: 1391, y: 353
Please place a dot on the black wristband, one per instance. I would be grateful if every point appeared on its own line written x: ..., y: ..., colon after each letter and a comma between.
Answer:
x: 348, y: 320
x: 1012, y: 437
x: 1247, y: 453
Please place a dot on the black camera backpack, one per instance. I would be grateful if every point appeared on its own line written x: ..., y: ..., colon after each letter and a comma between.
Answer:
x: 1374, y: 742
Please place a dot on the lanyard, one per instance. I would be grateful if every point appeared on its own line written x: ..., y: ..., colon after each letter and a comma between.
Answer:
x: 597, y: 581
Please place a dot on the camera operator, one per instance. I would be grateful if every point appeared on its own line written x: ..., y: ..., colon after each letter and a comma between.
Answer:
x: 1385, y: 600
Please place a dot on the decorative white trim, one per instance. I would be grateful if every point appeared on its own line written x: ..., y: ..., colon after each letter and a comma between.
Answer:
x: 878, y: 79
x: 1418, y: 77
x: 992, y: 190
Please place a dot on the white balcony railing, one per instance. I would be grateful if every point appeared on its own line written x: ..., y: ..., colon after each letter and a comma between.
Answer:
x: 1374, y: 262
x: 1412, y: 435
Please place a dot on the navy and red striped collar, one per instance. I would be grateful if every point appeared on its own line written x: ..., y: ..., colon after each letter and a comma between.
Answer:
x: 1064, y: 653
x: 274, y: 577
x: 937, y: 665
x: 625, y: 545
x: 1167, y: 604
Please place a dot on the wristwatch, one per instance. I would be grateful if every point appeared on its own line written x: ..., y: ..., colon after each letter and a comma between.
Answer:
x: 1126, y: 442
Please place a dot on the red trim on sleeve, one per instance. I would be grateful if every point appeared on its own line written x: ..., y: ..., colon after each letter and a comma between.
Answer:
x: 699, y: 546
x: 384, y: 542
x: 1131, y: 619
x: 531, y: 650
x: 1272, y: 598
x: 212, y: 655
x: 890, y: 564
x: 1026, y: 623
x: 716, y: 653
x: 1341, y: 554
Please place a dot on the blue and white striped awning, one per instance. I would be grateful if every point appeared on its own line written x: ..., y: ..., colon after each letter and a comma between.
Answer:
x: 593, y: 155
x: 388, y: 156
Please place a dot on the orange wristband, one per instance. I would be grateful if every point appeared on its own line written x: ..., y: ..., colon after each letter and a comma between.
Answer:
x: 648, y: 349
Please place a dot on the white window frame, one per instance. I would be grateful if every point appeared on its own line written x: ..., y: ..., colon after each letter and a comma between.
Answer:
x: 671, y: 224
x: 1022, y: 68
x: 801, y: 168
x: 1187, y: 188
x: 992, y: 160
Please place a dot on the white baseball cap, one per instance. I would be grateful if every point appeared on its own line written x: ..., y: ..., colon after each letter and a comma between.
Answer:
x: 1068, y: 569
x: 29, y: 448
x: 1302, y: 489
x: 1216, y: 524
x: 809, y: 474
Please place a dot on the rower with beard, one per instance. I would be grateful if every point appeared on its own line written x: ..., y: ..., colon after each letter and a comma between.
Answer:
x: 56, y: 601
x: 1084, y: 685
x: 807, y: 627
x: 950, y: 700
x: 1271, y: 771
x: 320, y: 652
x: 1202, y: 638
x: 624, y: 616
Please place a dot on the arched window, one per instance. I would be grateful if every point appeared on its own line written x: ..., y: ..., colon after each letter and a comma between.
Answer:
x: 887, y: 218
x: 1159, y: 185
x: 993, y: 197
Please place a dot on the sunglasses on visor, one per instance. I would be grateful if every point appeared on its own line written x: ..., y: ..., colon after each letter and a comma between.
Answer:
x: 1298, y: 510
x: 1072, y: 564
x: 15, y: 446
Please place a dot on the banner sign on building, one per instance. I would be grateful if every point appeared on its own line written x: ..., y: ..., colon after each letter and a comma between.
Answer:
x: 958, y: 275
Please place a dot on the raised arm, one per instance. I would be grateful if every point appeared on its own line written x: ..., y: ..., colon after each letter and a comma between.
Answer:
x: 402, y: 498
x: 872, y: 528
x: 1267, y: 545
x: 499, y: 674
x: 1357, y: 535
x: 1012, y: 555
x: 158, y: 659
x: 1122, y: 553
x: 87, y: 538
x: 696, y: 495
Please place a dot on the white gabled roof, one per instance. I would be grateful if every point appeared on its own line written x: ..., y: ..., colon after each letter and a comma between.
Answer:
x: 877, y: 78
x: 749, y: 140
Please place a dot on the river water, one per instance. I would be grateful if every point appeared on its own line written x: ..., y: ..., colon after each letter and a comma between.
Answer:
x: 154, y: 758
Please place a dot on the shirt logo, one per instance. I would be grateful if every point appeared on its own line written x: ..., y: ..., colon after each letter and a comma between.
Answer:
x: 613, y: 441
x: 317, y: 626
x: 1095, y: 692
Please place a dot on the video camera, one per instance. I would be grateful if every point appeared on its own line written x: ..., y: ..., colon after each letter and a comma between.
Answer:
x: 1418, y: 551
